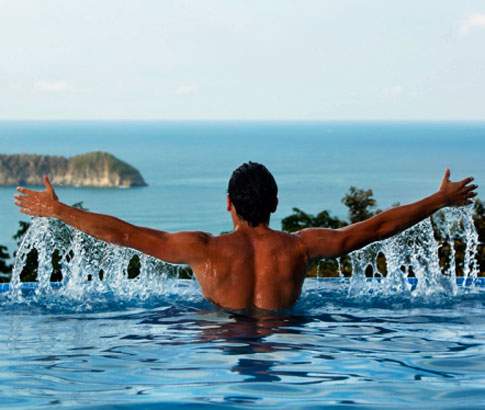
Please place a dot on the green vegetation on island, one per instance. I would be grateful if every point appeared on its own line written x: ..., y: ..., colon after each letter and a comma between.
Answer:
x: 94, y: 169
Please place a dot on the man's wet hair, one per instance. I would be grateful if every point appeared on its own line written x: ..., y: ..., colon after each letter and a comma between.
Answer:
x: 253, y: 191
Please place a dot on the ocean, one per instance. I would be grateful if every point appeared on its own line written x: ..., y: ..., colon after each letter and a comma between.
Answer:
x: 187, y: 164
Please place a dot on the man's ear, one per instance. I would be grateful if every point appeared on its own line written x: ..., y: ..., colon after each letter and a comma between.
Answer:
x: 229, y: 204
x: 275, y: 205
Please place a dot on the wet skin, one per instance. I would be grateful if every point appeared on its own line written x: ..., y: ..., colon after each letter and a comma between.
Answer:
x: 251, y: 267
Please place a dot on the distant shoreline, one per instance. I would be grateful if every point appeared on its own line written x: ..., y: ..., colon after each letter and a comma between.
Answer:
x: 95, y: 169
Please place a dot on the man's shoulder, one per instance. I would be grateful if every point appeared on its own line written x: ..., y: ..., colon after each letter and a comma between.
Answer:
x: 235, y: 237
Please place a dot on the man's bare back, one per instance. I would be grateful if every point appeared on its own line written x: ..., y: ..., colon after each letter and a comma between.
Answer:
x: 253, y: 266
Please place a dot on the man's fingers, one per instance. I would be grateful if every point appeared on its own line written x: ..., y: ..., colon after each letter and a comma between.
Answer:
x: 21, y: 197
x: 25, y: 191
x: 470, y: 188
x: 26, y: 211
x: 47, y: 184
x: 446, y: 177
x: 21, y: 202
x: 466, y: 180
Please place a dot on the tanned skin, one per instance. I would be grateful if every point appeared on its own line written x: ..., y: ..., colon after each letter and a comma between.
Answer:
x: 251, y: 267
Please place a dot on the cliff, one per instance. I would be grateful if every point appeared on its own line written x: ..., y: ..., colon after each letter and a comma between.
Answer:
x: 94, y: 169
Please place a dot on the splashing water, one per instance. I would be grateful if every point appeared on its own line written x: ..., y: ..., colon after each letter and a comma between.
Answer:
x: 418, y: 251
x: 95, y: 272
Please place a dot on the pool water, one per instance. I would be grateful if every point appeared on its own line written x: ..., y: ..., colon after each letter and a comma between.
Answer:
x: 153, y: 342
x: 179, y: 351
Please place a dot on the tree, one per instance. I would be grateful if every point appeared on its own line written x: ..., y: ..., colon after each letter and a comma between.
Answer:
x: 360, y: 203
x: 301, y: 220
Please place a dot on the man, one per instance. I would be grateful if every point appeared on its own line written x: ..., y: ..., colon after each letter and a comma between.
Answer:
x: 253, y: 266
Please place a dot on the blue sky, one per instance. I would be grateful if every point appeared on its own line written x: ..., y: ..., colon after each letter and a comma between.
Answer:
x: 242, y: 59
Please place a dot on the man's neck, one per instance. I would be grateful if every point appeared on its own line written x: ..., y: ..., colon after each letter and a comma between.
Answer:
x: 241, y: 225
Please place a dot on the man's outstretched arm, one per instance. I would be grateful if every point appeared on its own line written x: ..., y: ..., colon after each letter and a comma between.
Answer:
x: 328, y: 243
x: 181, y: 247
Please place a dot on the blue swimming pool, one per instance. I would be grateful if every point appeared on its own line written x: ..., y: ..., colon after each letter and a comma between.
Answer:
x: 391, y: 341
x: 179, y: 351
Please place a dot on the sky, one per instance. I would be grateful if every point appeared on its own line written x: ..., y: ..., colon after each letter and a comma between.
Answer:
x: 242, y: 59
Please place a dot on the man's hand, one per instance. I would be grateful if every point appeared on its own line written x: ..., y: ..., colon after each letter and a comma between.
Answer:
x: 37, y: 203
x: 457, y: 193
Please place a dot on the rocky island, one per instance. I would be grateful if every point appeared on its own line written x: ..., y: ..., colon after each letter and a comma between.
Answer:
x: 94, y: 169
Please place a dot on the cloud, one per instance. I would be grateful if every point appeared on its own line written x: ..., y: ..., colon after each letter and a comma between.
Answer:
x: 185, y: 90
x: 473, y: 21
x: 393, y: 91
x: 52, y: 86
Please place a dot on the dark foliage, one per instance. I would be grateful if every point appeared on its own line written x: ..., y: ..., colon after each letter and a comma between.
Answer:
x: 300, y: 220
x: 360, y: 204
x: 5, y: 268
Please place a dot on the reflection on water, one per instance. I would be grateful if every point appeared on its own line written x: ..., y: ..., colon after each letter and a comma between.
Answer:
x: 189, y: 353
x: 248, y: 335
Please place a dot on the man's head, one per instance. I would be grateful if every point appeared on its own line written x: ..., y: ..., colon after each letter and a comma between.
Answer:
x: 253, y: 192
